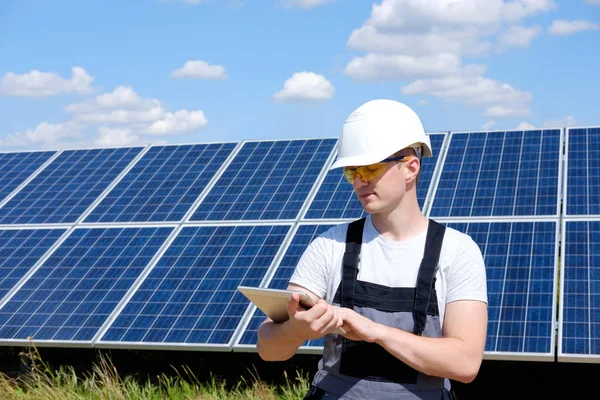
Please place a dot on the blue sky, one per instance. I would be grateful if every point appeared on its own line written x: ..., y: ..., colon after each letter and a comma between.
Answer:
x: 110, y: 73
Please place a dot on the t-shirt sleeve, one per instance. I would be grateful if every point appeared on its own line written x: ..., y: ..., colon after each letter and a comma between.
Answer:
x: 313, y: 266
x: 467, y: 276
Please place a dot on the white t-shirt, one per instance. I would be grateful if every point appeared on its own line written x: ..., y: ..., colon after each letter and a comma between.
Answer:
x: 461, y: 270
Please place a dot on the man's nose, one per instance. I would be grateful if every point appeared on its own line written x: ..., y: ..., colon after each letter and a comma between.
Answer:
x: 357, y: 182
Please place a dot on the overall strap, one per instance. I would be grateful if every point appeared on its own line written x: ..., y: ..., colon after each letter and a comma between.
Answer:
x: 350, y: 262
x: 427, y: 271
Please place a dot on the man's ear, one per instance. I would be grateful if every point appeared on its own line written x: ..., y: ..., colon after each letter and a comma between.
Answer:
x: 413, y: 167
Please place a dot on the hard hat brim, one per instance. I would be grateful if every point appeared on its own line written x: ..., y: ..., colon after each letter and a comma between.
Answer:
x: 357, y: 161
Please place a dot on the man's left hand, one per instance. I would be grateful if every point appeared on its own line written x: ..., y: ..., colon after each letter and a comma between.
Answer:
x: 358, y: 327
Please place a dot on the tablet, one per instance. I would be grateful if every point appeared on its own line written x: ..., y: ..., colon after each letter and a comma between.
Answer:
x: 274, y: 302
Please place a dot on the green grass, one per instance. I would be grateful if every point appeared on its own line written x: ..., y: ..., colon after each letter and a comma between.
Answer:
x: 104, y: 382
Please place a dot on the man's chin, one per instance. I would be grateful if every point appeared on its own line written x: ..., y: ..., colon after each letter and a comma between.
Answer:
x: 370, y: 207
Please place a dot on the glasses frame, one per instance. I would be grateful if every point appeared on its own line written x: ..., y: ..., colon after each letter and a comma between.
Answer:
x: 356, y: 174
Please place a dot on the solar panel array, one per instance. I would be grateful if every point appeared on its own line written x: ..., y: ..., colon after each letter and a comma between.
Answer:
x: 70, y: 295
x: 500, y: 174
x: 15, y: 168
x: 163, y: 184
x: 191, y: 296
x: 65, y: 189
x: 144, y: 247
x: 579, y: 318
x: 503, y: 189
x: 521, y: 259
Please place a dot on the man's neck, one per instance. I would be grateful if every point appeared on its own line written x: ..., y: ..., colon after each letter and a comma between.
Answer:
x: 402, y: 223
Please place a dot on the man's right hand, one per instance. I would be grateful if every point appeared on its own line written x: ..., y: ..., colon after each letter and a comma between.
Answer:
x: 314, y: 323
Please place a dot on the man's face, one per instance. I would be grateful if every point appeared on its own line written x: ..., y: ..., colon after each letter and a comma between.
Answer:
x: 385, y: 192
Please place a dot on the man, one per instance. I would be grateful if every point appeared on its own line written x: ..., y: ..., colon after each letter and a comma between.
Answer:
x: 409, y: 293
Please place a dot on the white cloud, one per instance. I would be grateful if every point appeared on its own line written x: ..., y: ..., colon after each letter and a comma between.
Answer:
x: 475, y: 90
x: 414, y: 14
x: 122, y: 96
x: 45, y: 133
x: 305, y: 3
x: 416, y: 27
x: 180, y: 121
x: 565, y: 28
x: 121, y: 106
x: 518, y: 36
x: 519, y: 9
x: 125, y: 108
x: 569, y: 120
x: 505, y: 112
x: 400, y: 34
x: 198, y: 69
x: 488, y: 125
x: 593, y: 2
x: 113, y: 137
x: 385, y: 67
x: 305, y: 87
x: 460, y: 42
x: 36, y: 83
x: 461, y: 27
x: 120, y: 117
x: 524, y: 126
x: 422, y: 103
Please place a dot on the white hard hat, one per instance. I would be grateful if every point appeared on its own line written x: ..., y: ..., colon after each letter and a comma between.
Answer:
x: 378, y: 129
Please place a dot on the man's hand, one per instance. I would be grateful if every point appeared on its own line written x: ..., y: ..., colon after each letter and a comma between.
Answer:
x: 358, y: 327
x: 314, y: 323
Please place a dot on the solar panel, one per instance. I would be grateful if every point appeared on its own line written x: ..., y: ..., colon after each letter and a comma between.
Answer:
x: 163, y: 184
x: 171, y: 283
x: 190, y: 296
x: 20, y: 250
x: 583, y: 171
x: 513, y: 173
x: 15, y: 168
x: 302, y: 238
x: 73, y: 292
x: 579, y: 328
x: 266, y: 180
x: 520, y: 260
x: 64, y: 190
x: 336, y: 199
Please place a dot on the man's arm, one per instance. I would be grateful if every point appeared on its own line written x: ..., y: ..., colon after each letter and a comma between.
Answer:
x: 280, y: 341
x: 457, y: 355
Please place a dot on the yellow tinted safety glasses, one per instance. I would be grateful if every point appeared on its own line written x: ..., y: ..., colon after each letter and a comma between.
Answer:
x: 367, y: 173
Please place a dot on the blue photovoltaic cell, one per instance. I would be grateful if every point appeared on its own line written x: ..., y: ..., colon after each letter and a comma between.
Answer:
x: 583, y: 172
x: 266, y: 180
x: 520, y: 261
x: 581, y: 289
x: 15, y: 168
x: 70, y: 296
x: 163, y: 184
x: 304, y: 235
x: 191, y: 295
x: 20, y: 250
x: 499, y: 174
x: 336, y: 199
x: 64, y: 190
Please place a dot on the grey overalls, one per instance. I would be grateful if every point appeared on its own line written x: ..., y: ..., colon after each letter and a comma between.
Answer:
x: 361, y: 370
